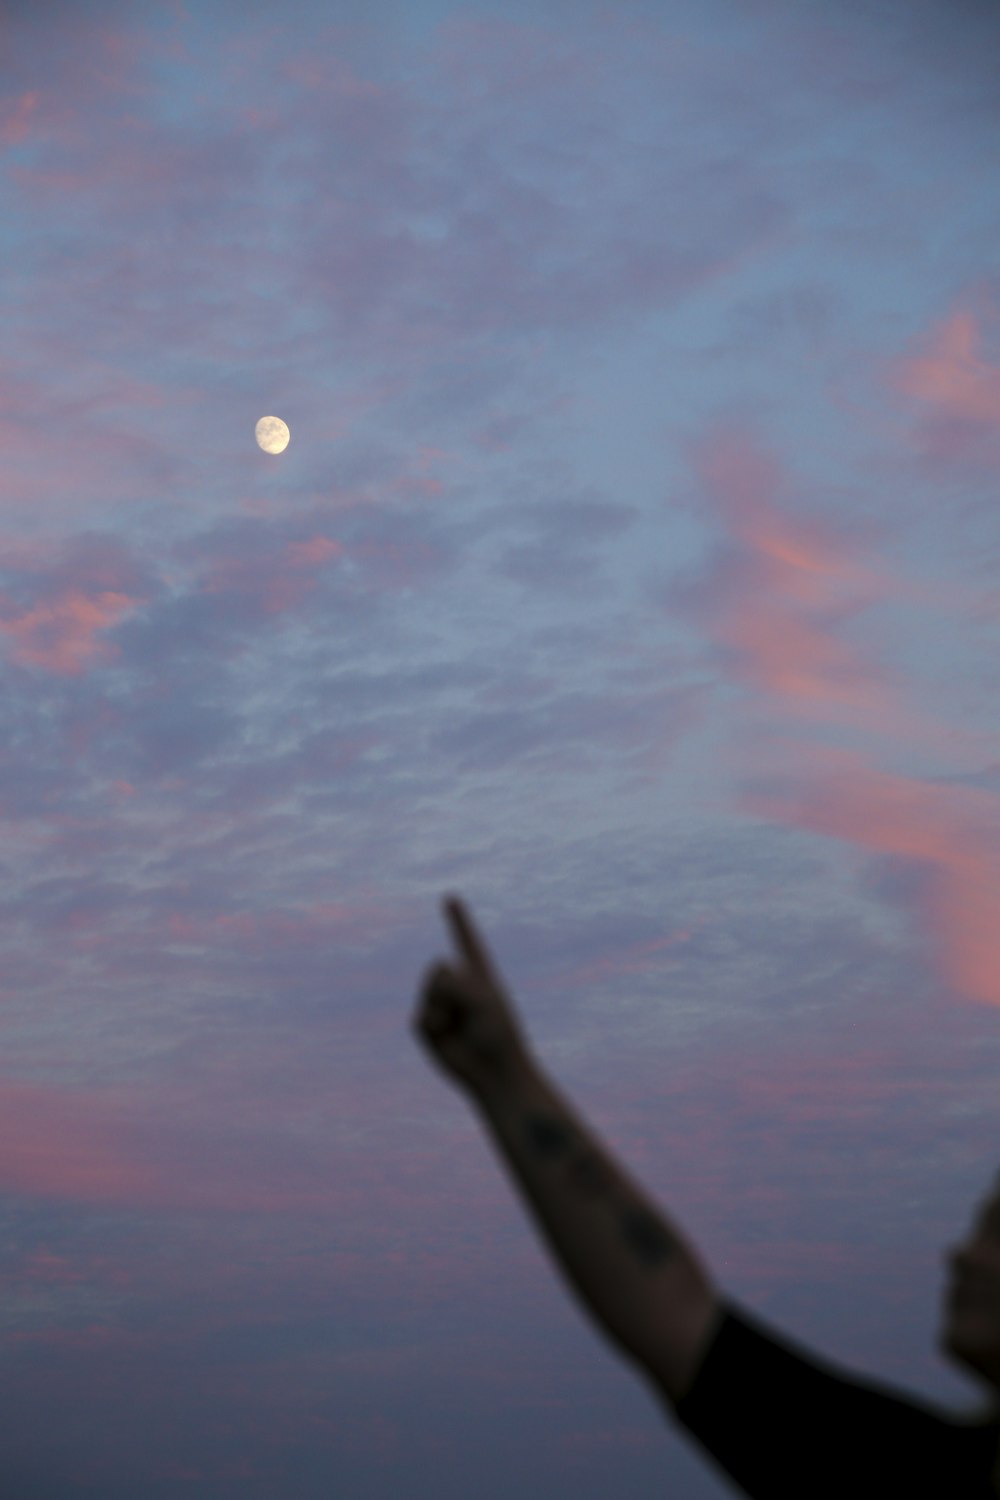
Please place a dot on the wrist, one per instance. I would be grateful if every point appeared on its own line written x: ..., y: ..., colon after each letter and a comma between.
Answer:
x: 520, y: 1080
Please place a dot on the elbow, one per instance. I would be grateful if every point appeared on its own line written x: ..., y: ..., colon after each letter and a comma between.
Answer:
x: 681, y: 1337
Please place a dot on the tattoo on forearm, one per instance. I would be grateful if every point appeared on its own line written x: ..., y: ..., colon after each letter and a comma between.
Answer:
x: 648, y: 1236
x: 551, y: 1138
x: 591, y: 1176
x: 643, y: 1231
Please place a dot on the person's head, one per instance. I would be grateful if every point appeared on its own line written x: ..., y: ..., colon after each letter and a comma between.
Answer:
x: 970, y: 1332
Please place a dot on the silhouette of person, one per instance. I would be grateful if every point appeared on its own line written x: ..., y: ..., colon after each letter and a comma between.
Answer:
x: 776, y: 1418
x: 783, y: 1422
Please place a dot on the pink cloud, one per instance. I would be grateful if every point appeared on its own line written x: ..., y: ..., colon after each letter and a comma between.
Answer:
x: 952, y: 376
x: 950, y: 832
x: 272, y: 585
x: 64, y: 1145
x: 774, y: 599
x: 14, y: 128
x: 314, y: 552
x: 778, y: 590
x: 56, y: 1143
x: 62, y: 635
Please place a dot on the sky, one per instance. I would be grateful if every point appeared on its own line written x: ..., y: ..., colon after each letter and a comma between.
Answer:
x: 632, y: 571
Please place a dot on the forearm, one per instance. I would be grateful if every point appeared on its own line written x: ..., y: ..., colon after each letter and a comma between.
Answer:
x: 624, y: 1259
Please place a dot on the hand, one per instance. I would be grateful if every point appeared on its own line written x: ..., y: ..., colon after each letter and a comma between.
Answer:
x: 465, y: 1017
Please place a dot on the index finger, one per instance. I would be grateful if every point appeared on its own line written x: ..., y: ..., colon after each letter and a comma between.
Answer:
x: 467, y: 938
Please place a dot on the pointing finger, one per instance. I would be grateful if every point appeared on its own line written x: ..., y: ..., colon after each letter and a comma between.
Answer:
x: 467, y: 939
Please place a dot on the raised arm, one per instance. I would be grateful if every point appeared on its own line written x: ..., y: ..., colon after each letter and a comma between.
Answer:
x: 631, y: 1268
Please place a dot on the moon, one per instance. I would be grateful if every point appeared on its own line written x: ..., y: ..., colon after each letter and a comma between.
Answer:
x: 272, y: 435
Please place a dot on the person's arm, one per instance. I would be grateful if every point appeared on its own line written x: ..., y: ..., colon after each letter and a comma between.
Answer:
x: 632, y: 1269
x: 630, y: 1266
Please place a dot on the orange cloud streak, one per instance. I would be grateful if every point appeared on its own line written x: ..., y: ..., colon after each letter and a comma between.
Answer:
x: 951, y: 375
x: 953, y: 833
x: 774, y: 601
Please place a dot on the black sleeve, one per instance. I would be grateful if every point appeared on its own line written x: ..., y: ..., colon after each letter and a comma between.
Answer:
x: 785, y: 1424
